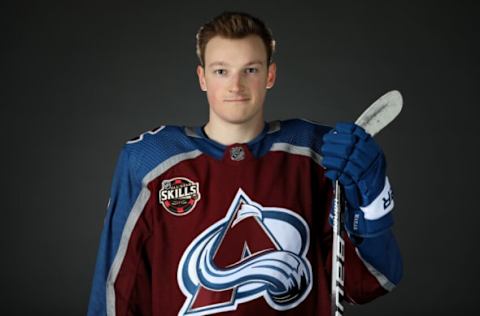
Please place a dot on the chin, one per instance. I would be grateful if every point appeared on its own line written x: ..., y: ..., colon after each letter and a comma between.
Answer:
x: 238, y: 119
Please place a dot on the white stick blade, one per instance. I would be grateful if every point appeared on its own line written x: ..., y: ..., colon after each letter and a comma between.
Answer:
x: 381, y: 112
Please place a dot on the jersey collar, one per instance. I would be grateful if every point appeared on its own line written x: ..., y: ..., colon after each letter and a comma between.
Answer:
x: 217, y: 150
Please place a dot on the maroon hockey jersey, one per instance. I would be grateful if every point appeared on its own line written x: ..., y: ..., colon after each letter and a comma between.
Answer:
x: 197, y: 228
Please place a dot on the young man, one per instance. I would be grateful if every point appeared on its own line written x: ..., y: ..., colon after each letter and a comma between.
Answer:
x: 233, y: 217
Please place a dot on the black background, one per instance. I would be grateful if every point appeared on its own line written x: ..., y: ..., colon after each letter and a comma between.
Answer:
x: 80, y: 78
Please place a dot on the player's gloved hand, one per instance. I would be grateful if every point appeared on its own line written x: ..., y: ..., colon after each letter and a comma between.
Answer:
x: 352, y: 157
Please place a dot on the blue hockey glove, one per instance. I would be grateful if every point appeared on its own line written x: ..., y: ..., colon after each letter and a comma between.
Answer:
x: 352, y: 157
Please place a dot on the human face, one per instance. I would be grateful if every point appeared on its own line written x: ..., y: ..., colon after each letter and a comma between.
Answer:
x: 236, y: 77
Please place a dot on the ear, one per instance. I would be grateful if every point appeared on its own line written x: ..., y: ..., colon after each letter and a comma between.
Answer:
x: 201, y: 78
x: 272, y: 75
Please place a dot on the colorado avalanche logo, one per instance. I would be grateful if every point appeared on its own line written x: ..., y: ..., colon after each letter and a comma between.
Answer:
x: 253, y: 251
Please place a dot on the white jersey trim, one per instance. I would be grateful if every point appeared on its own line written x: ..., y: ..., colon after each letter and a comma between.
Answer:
x: 140, y: 138
x: 298, y: 150
x: 382, y: 279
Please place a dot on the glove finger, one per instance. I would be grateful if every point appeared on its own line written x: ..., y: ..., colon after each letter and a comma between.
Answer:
x: 361, y: 133
x: 366, y: 150
x: 353, y: 171
x: 339, y: 138
x: 336, y: 150
x: 361, y: 159
x: 345, y: 127
x: 333, y: 163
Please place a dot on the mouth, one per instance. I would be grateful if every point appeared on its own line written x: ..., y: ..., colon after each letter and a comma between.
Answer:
x: 237, y: 100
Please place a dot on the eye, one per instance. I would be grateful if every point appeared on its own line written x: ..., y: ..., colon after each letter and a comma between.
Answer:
x: 251, y: 70
x: 220, y: 72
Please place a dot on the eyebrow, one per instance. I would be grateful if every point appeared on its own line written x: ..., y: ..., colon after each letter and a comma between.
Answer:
x: 221, y: 63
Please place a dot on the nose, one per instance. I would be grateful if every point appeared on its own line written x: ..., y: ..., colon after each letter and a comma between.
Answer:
x: 236, y: 83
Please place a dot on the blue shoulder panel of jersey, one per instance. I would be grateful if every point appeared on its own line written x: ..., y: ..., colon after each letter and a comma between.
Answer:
x: 157, y: 146
x: 137, y: 158
x: 295, y: 132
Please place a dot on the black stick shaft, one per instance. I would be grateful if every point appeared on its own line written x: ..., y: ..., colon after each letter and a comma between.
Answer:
x: 338, y: 255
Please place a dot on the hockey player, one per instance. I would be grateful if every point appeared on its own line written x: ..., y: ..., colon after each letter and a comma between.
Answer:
x: 233, y: 217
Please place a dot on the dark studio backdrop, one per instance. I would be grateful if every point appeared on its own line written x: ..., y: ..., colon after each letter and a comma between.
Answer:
x: 80, y: 78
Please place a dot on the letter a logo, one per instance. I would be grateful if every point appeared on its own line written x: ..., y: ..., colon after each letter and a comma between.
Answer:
x: 253, y: 251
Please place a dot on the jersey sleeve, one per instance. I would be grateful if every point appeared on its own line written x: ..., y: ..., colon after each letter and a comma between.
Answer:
x: 381, y: 256
x: 373, y: 265
x: 125, y: 191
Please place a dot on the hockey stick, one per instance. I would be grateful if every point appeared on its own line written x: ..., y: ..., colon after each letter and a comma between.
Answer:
x: 373, y: 120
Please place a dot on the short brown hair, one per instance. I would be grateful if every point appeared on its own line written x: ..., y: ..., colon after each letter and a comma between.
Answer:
x: 234, y: 25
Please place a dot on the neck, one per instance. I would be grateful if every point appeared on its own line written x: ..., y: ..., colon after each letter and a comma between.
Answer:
x: 229, y: 133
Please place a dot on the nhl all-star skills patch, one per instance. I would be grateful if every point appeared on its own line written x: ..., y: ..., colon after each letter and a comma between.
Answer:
x: 179, y: 195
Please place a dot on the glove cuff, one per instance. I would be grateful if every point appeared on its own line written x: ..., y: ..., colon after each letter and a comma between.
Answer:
x: 357, y: 225
x: 381, y: 205
x: 373, y: 219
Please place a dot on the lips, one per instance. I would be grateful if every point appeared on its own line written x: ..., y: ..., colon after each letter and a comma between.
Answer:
x: 237, y: 100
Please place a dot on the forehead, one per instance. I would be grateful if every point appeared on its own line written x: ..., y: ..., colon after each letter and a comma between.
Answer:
x: 235, y: 51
